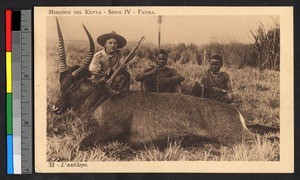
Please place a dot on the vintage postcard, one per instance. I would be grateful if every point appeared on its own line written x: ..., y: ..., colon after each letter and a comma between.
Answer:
x: 164, y: 89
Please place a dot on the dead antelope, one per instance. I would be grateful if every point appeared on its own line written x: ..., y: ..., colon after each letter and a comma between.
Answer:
x: 142, y: 117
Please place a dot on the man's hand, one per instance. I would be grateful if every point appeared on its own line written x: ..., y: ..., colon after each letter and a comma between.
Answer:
x: 162, y: 80
x: 219, y: 90
x: 93, y: 79
x: 109, y: 72
x: 203, y: 81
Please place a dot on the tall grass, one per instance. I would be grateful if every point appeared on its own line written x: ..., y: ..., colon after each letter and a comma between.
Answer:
x: 258, y: 100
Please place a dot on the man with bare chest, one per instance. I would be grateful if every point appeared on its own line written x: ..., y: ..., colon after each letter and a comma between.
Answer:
x: 160, y: 78
x: 218, y: 82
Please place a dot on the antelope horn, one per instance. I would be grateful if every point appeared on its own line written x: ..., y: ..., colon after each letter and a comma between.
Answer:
x: 62, y: 54
x: 90, y: 55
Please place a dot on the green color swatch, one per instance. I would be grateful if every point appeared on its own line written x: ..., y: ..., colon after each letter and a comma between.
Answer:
x: 9, y: 114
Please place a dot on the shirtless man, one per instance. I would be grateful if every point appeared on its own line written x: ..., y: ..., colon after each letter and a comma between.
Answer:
x: 160, y: 78
x: 217, y: 83
x: 214, y: 84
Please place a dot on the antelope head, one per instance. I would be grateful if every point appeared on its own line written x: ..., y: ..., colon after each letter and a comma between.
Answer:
x: 71, y: 79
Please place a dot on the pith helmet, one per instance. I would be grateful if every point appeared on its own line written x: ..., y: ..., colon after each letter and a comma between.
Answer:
x: 121, y: 40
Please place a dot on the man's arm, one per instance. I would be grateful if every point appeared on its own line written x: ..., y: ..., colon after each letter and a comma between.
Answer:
x: 144, y: 74
x: 176, y: 77
x: 95, y: 66
x: 228, y: 84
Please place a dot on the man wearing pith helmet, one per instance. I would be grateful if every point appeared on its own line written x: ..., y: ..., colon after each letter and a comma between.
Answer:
x: 107, y: 60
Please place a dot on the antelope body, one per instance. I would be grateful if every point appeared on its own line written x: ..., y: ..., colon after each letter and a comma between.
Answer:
x: 139, y: 117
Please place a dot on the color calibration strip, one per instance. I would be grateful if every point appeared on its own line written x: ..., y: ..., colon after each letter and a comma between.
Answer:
x: 9, y: 112
x: 18, y: 92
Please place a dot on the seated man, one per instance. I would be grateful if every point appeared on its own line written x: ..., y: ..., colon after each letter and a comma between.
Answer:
x: 216, y: 84
x: 160, y: 78
x: 106, y: 61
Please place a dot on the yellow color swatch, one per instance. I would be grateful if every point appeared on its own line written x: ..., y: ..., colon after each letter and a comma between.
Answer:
x: 8, y: 73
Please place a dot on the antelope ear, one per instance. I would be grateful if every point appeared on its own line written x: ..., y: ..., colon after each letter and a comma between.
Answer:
x: 62, y: 76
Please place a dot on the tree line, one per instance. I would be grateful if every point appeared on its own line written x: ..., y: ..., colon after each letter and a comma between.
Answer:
x: 263, y: 53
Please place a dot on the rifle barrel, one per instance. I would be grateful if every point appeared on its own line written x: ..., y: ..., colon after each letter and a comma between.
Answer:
x: 126, y: 60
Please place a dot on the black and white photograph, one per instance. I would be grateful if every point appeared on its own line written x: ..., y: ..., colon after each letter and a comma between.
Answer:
x: 163, y: 89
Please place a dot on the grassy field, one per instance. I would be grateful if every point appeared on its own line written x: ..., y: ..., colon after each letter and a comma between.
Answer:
x: 258, y: 100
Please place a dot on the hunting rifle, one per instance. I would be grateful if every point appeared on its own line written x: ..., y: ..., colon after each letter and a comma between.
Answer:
x: 125, y: 61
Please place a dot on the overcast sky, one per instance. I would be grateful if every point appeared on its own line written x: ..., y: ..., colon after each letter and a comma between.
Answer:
x: 174, y: 29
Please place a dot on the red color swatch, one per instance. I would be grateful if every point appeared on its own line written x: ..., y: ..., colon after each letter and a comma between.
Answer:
x: 8, y: 14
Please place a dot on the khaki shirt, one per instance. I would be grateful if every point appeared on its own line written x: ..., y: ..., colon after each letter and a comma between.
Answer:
x: 101, y: 62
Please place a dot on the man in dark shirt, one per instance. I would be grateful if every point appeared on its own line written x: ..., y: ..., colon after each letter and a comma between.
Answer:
x: 217, y: 83
x: 160, y: 78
